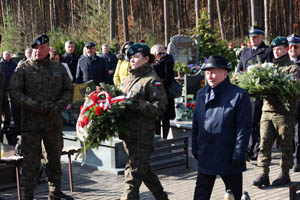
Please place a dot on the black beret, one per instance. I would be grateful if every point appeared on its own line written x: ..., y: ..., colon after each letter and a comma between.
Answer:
x: 39, y: 40
x: 216, y: 62
x: 90, y: 44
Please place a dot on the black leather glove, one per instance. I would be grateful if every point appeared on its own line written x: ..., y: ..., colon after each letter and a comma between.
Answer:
x: 237, y: 163
x: 44, y: 107
x: 53, y: 108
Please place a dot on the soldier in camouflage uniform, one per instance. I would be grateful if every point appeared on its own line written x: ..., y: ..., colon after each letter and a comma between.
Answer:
x: 149, y: 101
x: 277, y: 123
x: 42, y: 89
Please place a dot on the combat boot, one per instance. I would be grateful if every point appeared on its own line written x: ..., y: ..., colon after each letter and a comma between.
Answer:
x: 59, y: 195
x: 297, y: 167
x: 282, y: 179
x: 262, y: 180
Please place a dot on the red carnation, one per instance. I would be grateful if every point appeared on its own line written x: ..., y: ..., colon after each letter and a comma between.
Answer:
x: 86, y: 120
x: 95, y: 98
x: 194, y: 105
x: 98, y: 110
x: 81, y: 107
x: 188, y: 104
x: 81, y: 124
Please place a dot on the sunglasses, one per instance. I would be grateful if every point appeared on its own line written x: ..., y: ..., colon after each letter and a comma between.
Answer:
x: 295, y: 47
x: 161, y: 53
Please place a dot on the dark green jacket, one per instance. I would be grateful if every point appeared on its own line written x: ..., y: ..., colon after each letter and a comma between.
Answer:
x: 149, y: 99
x: 35, y: 83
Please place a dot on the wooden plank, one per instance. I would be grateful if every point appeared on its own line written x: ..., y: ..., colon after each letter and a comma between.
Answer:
x: 169, y: 141
x: 168, y: 155
x: 168, y: 148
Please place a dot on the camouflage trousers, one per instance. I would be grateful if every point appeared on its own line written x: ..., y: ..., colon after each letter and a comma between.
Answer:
x: 32, y: 143
x: 281, y: 127
x: 138, y: 170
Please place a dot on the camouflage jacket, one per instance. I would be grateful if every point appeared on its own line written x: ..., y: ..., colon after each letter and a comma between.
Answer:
x: 148, y: 95
x: 272, y: 104
x: 39, y: 86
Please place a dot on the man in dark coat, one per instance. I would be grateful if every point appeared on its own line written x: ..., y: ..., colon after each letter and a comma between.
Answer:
x: 91, y: 67
x: 259, y: 52
x: 111, y: 60
x: 221, y: 130
x: 7, y: 66
x: 294, y: 53
x: 70, y: 57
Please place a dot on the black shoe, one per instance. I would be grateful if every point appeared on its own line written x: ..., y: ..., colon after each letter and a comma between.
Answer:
x: 254, y: 157
x: 297, y: 167
x: 281, y: 180
x: 262, y: 180
x: 59, y: 195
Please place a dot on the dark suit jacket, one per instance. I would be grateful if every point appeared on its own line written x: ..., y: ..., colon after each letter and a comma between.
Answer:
x: 249, y: 56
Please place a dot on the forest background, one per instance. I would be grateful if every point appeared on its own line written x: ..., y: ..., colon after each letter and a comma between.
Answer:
x: 155, y: 21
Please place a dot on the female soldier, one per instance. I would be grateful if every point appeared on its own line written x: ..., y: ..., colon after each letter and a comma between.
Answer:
x: 149, y: 100
x: 163, y: 67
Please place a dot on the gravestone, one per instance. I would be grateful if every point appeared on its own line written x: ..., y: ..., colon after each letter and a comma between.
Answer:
x: 185, y: 49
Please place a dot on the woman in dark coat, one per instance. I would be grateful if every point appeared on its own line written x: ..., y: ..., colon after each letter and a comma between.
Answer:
x: 163, y: 67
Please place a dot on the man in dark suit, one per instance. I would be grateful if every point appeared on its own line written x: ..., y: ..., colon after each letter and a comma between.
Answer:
x: 294, y: 53
x: 70, y: 57
x: 91, y: 67
x: 259, y: 52
x: 221, y: 130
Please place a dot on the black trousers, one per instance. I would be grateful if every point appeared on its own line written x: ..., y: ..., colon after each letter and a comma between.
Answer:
x: 256, y: 115
x: 205, y: 184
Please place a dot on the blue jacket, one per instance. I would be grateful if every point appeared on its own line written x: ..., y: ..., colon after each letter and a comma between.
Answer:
x: 112, y: 61
x: 94, y: 68
x: 8, y: 69
x: 221, y: 129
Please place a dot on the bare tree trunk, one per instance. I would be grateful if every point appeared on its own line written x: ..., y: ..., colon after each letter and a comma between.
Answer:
x: 152, y: 17
x: 249, y: 12
x: 51, y: 15
x: 220, y: 20
x: 20, y: 24
x: 125, y: 20
x: 266, y: 5
x: 197, y: 8
x: 166, y: 21
x: 253, y: 13
x: 177, y: 5
x: 3, y: 13
x: 291, y: 8
x: 112, y: 20
x: 234, y: 18
x: 210, y: 13
x: 32, y: 19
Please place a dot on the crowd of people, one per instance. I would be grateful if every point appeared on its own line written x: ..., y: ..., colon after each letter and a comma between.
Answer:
x: 37, y: 89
